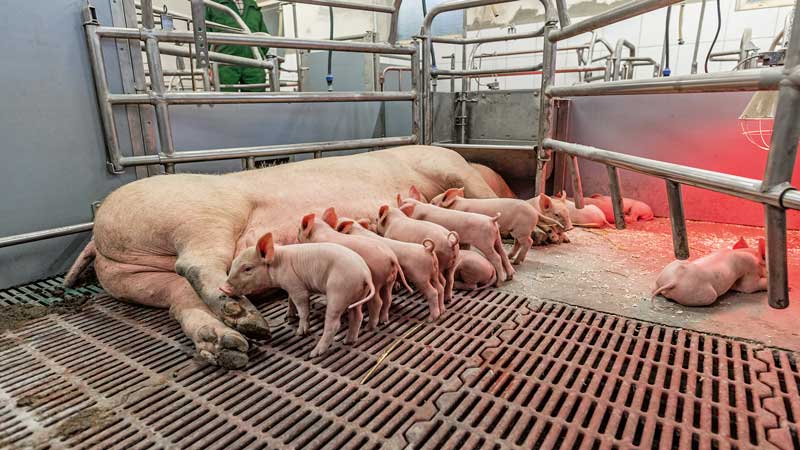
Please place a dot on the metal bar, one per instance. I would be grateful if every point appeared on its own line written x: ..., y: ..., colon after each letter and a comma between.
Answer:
x: 474, y: 72
x: 563, y: 14
x: 617, y: 57
x: 746, y: 188
x: 257, y: 85
x: 780, y: 166
x: 534, y: 72
x: 454, y: 146
x: 393, y: 21
x: 256, y: 39
x: 174, y: 50
x: 545, y: 107
x: 609, y: 17
x: 199, y: 30
x: 577, y: 183
x: 273, y: 150
x: 616, y: 197
x: 740, y: 80
x: 415, y: 104
x: 162, y: 110
x: 697, y: 39
x: 680, y: 240
x: 214, y: 98
x: 24, y: 238
x: 349, y: 5
x: 427, y: 96
x: 486, y: 39
x: 102, y: 90
x: 215, y: 74
x: 275, y: 76
x: 530, y: 52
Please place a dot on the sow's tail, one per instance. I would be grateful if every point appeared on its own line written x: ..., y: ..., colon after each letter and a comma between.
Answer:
x: 80, y: 265
x: 368, y: 297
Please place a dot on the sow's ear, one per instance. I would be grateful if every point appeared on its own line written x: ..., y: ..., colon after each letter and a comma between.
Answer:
x: 408, y: 209
x: 762, y: 248
x: 330, y: 217
x: 345, y: 226
x: 266, y: 248
x: 307, y: 224
x: 414, y: 193
x: 741, y: 243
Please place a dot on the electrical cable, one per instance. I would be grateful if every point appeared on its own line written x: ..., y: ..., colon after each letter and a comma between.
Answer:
x: 329, y: 76
x: 716, y: 35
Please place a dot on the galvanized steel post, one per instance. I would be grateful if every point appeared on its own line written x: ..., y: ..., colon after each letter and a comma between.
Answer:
x: 415, y: 87
x: 680, y: 240
x: 545, y: 110
x: 616, y: 197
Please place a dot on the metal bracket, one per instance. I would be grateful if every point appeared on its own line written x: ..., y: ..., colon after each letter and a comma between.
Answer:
x: 461, y: 121
x: 95, y: 206
x: 199, y: 28
x: 90, y: 15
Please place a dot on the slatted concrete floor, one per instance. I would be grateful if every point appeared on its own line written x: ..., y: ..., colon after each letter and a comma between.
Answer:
x: 498, y: 371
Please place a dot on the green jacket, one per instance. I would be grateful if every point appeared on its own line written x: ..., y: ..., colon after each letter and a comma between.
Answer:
x: 251, y: 16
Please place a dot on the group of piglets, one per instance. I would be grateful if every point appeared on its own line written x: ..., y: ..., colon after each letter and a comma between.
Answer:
x: 425, y: 244
x: 597, y: 211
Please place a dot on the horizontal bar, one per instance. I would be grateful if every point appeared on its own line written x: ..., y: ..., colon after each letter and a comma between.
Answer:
x: 614, y: 15
x: 222, y: 58
x: 255, y: 85
x: 218, y: 98
x: 348, y: 5
x: 45, y: 234
x: 451, y: 146
x: 746, y: 188
x: 263, y: 151
x: 486, y: 39
x: 539, y: 72
x: 529, y: 52
x: 261, y: 40
x: 473, y: 72
x: 740, y: 80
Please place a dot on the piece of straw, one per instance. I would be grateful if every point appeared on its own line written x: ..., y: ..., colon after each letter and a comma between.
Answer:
x: 389, y: 350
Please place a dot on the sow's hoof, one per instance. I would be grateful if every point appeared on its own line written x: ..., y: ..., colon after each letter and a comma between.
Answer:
x: 222, y: 347
x: 241, y: 315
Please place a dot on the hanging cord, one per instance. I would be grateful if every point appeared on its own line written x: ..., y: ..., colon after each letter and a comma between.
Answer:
x: 425, y: 13
x: 329, y: 77
x: 716, y: 35
x: 667, y: 71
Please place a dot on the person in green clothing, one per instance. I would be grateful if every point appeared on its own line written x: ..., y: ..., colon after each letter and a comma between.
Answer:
x: 251, y: 15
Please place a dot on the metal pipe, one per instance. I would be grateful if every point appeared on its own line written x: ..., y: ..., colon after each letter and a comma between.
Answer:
x: 616, y: 197
x: 609, y: 17
x: 486, y: 39
x: 474, y: 72
x: 697, y: 38
x: 215, y: 98
x: 577, y: 183
x: 239, y: 21
x: 275, y: 76
x: 388, y: 69
x: 454, y: 146
x: 257, y: 85
x: 349, y: 5
x: 415, y: 87
x: 24, y: 238
x: 528, y: 52
x: 680, y: 240
x: 393, y: 21
x: 545, y: 106
x: 617, y: 57
x: 215, y: 74
x: 746, y: 188
x: 462, y: 120
x: 256, y: 39
x: 427, y: 96
x: 222, y: 58
x: 563, y: 14
x: 740, y: 80
x: 263, y: 151
x: 102, y: 90
x: 162, y: 110
x: 777, y: 266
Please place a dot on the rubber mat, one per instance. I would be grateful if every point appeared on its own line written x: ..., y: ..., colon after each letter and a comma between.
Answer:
x: 497, y: 371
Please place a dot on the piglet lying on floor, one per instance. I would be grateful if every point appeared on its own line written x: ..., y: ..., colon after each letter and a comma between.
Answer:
x: 473, y: 271
x: 303, y: 269
x: 634, y: 210
x: 700, y: 282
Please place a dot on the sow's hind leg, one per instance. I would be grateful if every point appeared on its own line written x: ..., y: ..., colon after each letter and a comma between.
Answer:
x: 214, y: 341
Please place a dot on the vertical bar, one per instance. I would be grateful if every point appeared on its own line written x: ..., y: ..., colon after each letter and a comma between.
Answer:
x: 199, y: 28
x: 250, y: 162
x: 577, y: 184
x: 162, y: 110
x: 394, y: 21
x: 297, y: 53
x: 680, y: 239
x: 317, y: 154
x: 462, y: 136
x: 415, y: 86
x: 427, y: 102
x: 452, y: 67
x: 560, y: 131
x: 777, y: 268
x: 616, y: 197
x: 548, y: 71
x: 215, y: 72
x: 275, y: 74
x: 780, y: 165
x: 101, y: 88
x: 697, y: 39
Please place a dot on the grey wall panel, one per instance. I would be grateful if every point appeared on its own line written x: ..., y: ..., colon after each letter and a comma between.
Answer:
x: 51, y: 140
x: 699, y: 130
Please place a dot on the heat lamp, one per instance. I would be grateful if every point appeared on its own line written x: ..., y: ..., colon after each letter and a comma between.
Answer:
x: 758, y: 117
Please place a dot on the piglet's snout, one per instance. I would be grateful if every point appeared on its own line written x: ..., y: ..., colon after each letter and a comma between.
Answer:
x: 227, y: 289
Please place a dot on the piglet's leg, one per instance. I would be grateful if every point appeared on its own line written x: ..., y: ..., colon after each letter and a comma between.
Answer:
x: 525, y: 244
x: 300, y: 301
x: 291, y: 312
x: 508, y: 271
x: 333, y: 314
x: 354, y: 318
x: 448, y: 286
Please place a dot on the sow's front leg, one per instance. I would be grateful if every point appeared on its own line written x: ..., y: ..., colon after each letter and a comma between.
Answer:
x: 205, y: 266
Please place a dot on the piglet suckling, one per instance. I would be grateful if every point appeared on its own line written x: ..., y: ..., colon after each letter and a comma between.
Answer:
x: 473, y: 271
x: 418, y: 262
x: 475, y: 229
x: 634, y: 210
x: 381, y: 261
x: 302, y: 270
x: 514, y: 217
x: 395, y: 223
x: 701, y: 282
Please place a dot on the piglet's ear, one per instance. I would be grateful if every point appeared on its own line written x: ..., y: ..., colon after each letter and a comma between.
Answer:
x: 364, y: 223
x: 307, y: 224
x: 408, y: 209
x: 399, y: 200
x: 451, y: 195
x: 266, y: 248
x: 741, y: 243
x: 383, y: 212
x: 563, y: 195
x: 762, y: 248
x: 414, y: 193
x: 545, y: 203
x: 329, y: 217
x: 345, y: 226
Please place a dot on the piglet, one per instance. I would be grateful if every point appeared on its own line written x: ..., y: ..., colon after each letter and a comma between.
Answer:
x: 514, y: 217
x: 476, y: 229
x: 381, y: 261
x: 590, y: 216
x: 634, y: 210
x: 418, y: 262
x: 473, y: 271
x: 303, y: 269
x: 394, y: 223
x: 554, y: 208
x: 700, y: 282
